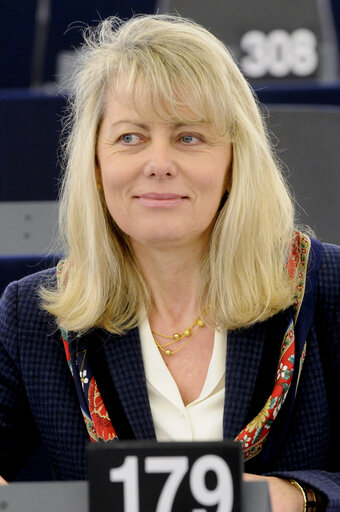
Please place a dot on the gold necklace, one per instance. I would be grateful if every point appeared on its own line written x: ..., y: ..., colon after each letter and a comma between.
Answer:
x: 177, y: 336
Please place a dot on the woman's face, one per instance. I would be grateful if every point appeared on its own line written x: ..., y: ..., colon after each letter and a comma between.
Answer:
x: 163, y: 181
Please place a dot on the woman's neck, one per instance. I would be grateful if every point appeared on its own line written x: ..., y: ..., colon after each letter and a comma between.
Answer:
x: 174, y: 278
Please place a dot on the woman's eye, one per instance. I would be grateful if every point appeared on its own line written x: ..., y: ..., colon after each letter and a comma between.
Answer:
x: 189, y: 139
x: 130, y: 139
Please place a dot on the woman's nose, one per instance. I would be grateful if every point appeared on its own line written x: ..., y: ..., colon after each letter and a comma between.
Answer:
x: 160, y: 161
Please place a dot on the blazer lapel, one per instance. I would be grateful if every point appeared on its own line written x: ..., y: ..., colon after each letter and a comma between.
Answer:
x: 244, y: 351
x: 124, y: 359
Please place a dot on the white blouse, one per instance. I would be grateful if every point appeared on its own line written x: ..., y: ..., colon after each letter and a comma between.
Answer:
x: 202, y: 419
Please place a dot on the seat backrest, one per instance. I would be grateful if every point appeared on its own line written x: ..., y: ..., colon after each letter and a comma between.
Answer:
x: 29, y: 134
x: 29, y: 171
x: 34, y: 33
x: 14, y: 267
x: 307, y: 141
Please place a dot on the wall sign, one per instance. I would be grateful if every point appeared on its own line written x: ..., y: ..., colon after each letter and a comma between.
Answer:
x: 165, y: 477
x: 279, y: 53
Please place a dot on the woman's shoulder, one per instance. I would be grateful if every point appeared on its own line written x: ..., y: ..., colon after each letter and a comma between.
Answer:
x: 330, y: 264
x: 328, y: 279
x: 21, y: 299
x: 31, y: 283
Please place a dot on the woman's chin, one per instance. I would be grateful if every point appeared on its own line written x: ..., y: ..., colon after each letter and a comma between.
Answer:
x: 169, y: 240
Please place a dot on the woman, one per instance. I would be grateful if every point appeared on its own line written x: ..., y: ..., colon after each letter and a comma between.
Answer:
x: 186, y: 295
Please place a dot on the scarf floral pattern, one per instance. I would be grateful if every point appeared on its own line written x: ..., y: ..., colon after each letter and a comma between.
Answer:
x: 252, y: 437
x: 255, y: 433
x: 96, y: 417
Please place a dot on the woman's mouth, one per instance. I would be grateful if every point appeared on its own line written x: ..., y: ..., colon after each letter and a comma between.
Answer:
x: 160, y: 200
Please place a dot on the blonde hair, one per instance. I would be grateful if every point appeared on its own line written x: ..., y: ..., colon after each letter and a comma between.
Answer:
x: 180, y: 64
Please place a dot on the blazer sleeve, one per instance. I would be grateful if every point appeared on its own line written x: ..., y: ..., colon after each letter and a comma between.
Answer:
x: 18, y: 433
x: 327, y: 327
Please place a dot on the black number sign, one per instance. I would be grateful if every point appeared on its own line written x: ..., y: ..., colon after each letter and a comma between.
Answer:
x: 165, y: 477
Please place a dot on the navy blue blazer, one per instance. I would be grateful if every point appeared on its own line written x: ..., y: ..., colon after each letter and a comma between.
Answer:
x: 38, y: 401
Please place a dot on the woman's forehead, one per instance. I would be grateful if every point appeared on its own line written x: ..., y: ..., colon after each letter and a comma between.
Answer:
x: 153, y: 106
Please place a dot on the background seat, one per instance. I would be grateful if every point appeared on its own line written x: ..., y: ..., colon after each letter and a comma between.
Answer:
x: 13, y: 267
x: 283, y: 40
x: 29, y: 171
x: 35, y: 33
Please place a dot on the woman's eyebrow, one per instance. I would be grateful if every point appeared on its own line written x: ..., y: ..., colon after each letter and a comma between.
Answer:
x: 129, y: 121
x: 145, y: 126
x: 135, y: 122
